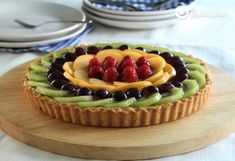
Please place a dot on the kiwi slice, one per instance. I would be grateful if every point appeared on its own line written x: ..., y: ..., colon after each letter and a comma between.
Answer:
x: 176, y: 53
x: 190, y: 87
x: 122, y: 104
x: 196, y: 67
x: 38, y: 84
x: 46, y: 61
x: 101, y: 102
x: 199, y: 77
x: 189, y: 60
x: 174, y: 95
x: 38, y: 67
x: 74, y: 99
x: 154, y: 98
x: 60, y: 53
x: 36, y: 76
x: 51, y: 92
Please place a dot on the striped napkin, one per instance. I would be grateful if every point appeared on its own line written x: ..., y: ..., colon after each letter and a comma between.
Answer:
x: 142, y: 5
x: 51, y: 47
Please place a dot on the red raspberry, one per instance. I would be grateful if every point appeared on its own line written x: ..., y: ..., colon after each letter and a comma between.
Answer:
x: 127, y: 57
x: 144, y: 71
x: 109, y: 62
x: 110, y: 74
x: 94, y: 62
x: 142, y: 61
x: 95, y: 72
x: 128, y: 62
x: 129, y: 74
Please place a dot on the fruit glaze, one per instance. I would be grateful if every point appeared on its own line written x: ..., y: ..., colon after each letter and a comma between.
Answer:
x: 117, y: 85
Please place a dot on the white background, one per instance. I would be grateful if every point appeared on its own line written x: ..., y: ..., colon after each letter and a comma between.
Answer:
x: 211, y: 39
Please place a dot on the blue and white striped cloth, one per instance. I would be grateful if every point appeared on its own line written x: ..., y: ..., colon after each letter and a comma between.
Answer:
x: 143, y: 5
x: 51, y: 47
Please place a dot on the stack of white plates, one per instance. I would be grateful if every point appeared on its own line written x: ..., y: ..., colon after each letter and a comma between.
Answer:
x: 13, y: 35
x: 130, y: 19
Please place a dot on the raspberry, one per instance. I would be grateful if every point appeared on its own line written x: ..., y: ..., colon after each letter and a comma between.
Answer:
x: 129, y: 74
x: 110, y: 74
x: 94, y: 62
x: 109, y: 62
x: 142, y: 61
x: 144, y: 71
x: 95, y: 72
x: 128, y: 62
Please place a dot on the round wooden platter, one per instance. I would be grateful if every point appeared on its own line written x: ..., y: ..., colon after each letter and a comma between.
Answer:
x: 214, y: 122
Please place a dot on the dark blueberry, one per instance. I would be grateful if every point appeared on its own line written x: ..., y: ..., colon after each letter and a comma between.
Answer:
x: 54, y: 76
x: 179, y: 66
x: 79, y: 51
x: 108, y: 47
x: 56, y: 66
x: 69, y: 87
x: 155, y: 52
x: 133, y: 92
x: 84, y: 91
x: 101, y: 93
x: 175, y: 60
x: 58, y: 83
x: 59, y: 61
x: 150, y: 90
x: 92, y: 50
x: 177, y: 84
x: 182, y: 70
x: 180, y: 77
x: 141, y: 48
x: 123, y: 47
x: 53, y: 70
x: 167, y: 87
x: 166, y: 55
x: 69, y: 57
x: 119, y: 95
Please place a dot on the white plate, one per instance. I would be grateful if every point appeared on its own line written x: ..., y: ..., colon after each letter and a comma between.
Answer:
x: 132, y: 13
x: 43, y: 42
x: 132, y: 24
x: 131, y: 18
x: 36, y: 12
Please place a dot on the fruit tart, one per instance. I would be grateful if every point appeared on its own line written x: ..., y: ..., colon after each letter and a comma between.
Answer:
x: 117, y: 85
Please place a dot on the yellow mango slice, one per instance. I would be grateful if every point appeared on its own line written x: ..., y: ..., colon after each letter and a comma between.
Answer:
x: 115, y: 53
x: 68, y: 67
x: 132, y: 54
x: 169, y: 69
x: 81, y: 75
x: 156, y: 76
x: 82, y: 62
x: 74, y: 80
x: 137, y: 51
x: 151, y: 56
x: 140, y: 85
x: 164, y: 78
x: 98, y: 81
x: 117, y: 83
x: 157, y: 63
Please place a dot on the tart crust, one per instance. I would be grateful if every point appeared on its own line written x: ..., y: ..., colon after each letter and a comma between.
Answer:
x: 129, y: 117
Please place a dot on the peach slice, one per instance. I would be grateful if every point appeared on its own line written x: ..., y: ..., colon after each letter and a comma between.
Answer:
x: 116, y: 54
x: 117, y: 83
x: 157, y: 63
x: 68, y: 67
x: 151, y: 56
x: 132, y: 54
x: 81, y: 75
x: 138, y: 51
x: 140, y: 85
x: 156, y: 76
x: 170, y: 69
x: 98, y: 81
x: 164, y: 78
x: 82, y: 61
x: 74, y: 80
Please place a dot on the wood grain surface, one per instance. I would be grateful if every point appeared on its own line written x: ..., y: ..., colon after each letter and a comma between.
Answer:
x: 214, y: 122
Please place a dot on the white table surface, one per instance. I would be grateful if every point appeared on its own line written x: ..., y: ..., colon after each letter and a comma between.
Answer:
x: 211, y: 39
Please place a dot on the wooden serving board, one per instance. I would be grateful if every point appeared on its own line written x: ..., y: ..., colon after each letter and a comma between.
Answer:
x: 214, y: 122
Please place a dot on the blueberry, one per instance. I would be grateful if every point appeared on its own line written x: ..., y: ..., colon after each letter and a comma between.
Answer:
x: 53, y: 70
x: 155, y: 52
x: 180, y: 77
x: 69, y: 57
x: 167, y: 87
x: 58, y: 83
x: 79, y: 51
x: 54, y: 76
x: 150, y: 90
x: 179, y: 66
x: 123, y: 47
x: 84, y: 91
x: 166, y: 55
x: 92, y: 50
x: 183, y: 70
x: 58, y: 61
x: 133, y: 92
x: 175, y: 60
x: 57, y: 66
x: 108, y: 47
x: 177, y: 84
x: 69, y: 87
x: 119, y: 95
x: 141, y: 48
x: 101, y: 93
